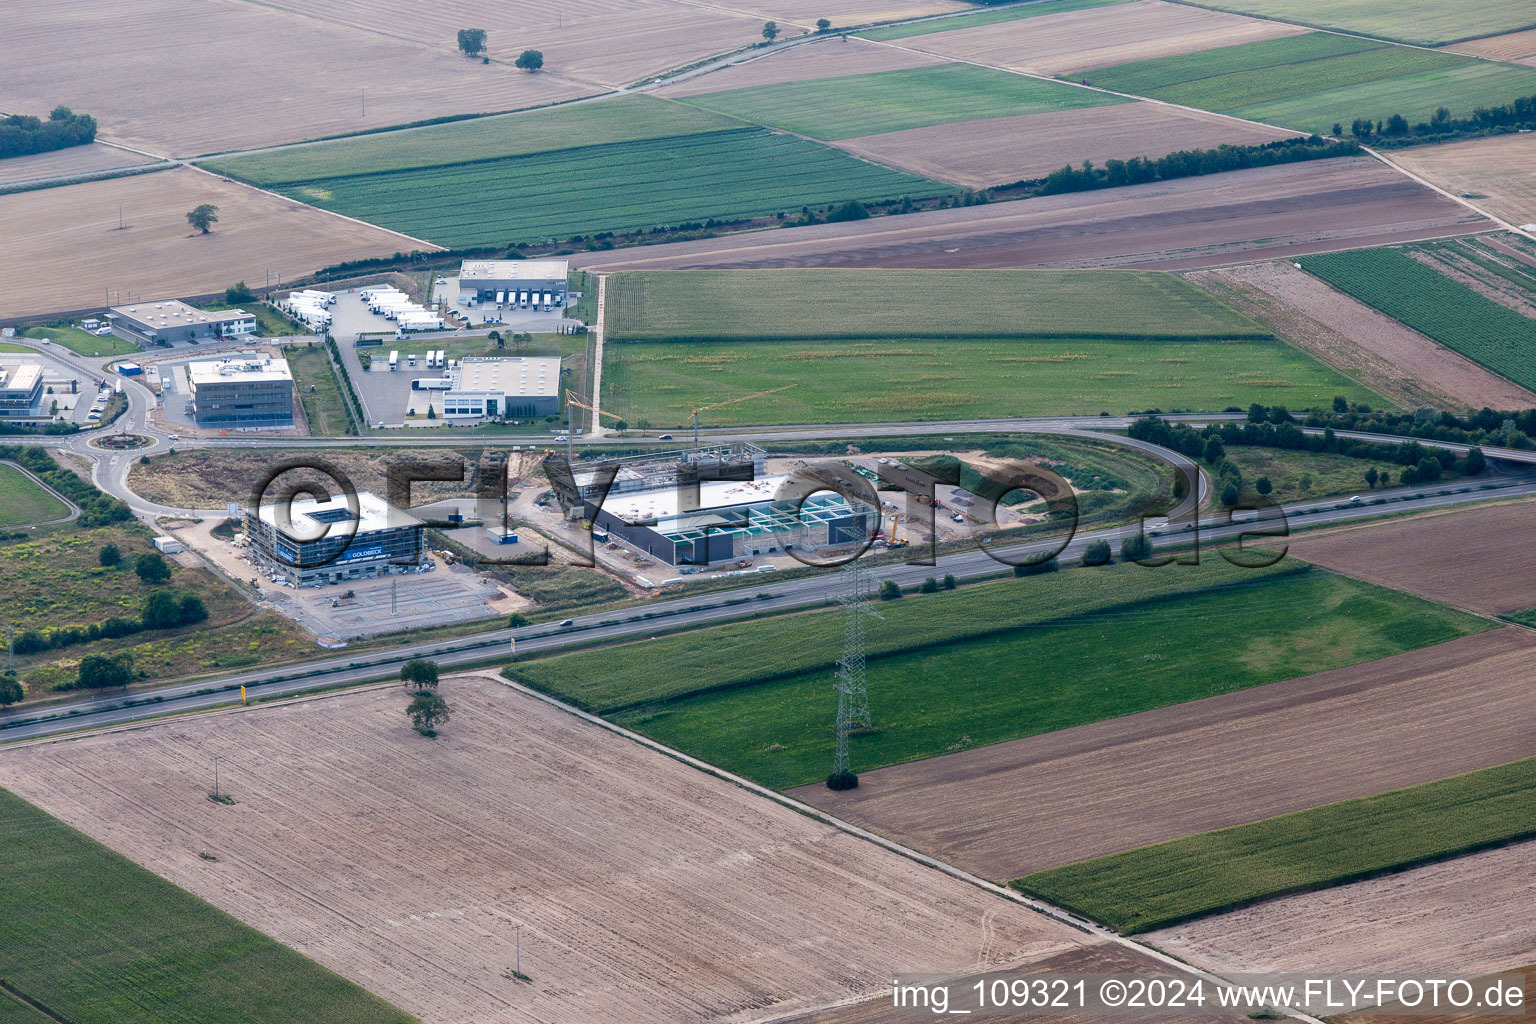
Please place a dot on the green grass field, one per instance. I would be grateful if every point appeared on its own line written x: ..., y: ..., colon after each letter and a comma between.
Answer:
x: 1426, y: 22
x: 1310, y: 82
x: 573, y: 126
x: 96, y: 938
x: 1157, y: 886
x: 799, y: 305
x: 872, y: 345
x: 1433, y: 304
x: 1301, y: 476
x: 22, y: 501
x: 750, y: 172
x: 888, y: 101
x: 325, y: 407
x: 982, y: 18
x: 82, y: 343
x: 945, y: 669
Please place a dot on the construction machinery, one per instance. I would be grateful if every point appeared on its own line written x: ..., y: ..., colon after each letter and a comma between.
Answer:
x: 731, y: 401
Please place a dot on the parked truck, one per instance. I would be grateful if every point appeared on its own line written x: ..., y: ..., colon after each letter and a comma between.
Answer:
x: 394, y: 360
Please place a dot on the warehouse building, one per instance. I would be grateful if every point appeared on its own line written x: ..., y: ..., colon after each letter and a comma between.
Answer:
x: 503, y: 387
x: 331, y: 541
x: 491, y: 281
x: 168, y: 322
x: 732, y: 519
x: 245, y: 391
x: 21, y: 390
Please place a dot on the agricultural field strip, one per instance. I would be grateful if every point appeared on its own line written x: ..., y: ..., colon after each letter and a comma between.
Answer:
x: 1213, y: 872
x: 1372, y: 19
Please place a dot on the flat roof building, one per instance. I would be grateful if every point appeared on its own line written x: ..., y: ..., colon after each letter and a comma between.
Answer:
x: 241, y: 391
x: 485, y: 280
x: 503, y: 387
x: 171, y: 321
x: 21, y: 390
x: 320, y: 542
x: 731, y: 519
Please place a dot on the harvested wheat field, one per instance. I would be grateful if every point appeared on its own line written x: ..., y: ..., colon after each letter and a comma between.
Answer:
x: 999, y: 151
x: 1026, y: 805
x: 1103, y: 958
x: 1515, y: 47
x: 1497, y: 170
x: 826, y: 58
x: 1470, y: 915
x: 1267, y: 212
x: 245, y: 74
x: 62, y: 163
x: 850, y: 12
x: 1097, y: 37
x: 607, y: 42
x: 157, y: 255
x: 1357, y: 339
x: 1480, y: 559
x: 647, y: 891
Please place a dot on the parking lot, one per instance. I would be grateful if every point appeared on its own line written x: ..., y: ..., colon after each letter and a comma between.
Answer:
x: 506, y: 317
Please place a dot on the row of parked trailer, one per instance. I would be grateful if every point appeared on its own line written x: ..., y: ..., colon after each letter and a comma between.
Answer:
x: 437, y: 359
x: 310, y: 306
x: 393, y: 304
x: 534, y: 300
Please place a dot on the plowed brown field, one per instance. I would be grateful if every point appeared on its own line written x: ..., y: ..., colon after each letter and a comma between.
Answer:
x: 1516, y: 47
x: 1364, y: 337
x: 647, y: 891
x: 1060, y: 44
x: 1002, y: 150
x: 827, y: 58
x: 188, y: 77
x: 63, y: 248
x: 1480, y: 559
x: 1014, y: 808
x: 1468, y: 916
x: 1173, y: 225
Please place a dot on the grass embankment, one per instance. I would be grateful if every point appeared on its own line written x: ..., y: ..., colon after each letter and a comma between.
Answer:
x: 94, y: 937
x: 1301, y: 476
x: 871, y: 345
x: 81, y: 343
x: 24, y: 501
x: 1157, y: 886
x: 951, y: 671
x: 1481, y: 329
x: 319, y: 391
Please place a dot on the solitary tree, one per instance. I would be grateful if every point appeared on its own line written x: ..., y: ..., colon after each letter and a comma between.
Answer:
x: 529, y: 60
x: 1262, y: 485
x: 109, y: 554
x: 1097, y: 553
x: 1371, y: 476
x: 420, y: 673
x: 1386, y: 478
x: 203, y: 216
x: 152, y: 568
x: 427, y: 711
x: 239, y: 292
x: 10, y: 690
x: 822, y: 24
x: 472, y: 41
x: 770, y: 30
x: 621, y: 425
x: 97, y: 672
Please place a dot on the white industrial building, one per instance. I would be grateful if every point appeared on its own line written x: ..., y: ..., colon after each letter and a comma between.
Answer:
x: 247, y: 390
x: 523, y: 284
x: 507, y: 387
x: 170, y: 321
x: 21, y: 390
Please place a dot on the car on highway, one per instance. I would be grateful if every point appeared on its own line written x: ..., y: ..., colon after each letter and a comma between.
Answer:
x: 665, y: 437
x: 567, y: 622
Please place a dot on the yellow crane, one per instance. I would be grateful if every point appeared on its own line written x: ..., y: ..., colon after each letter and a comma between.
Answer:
x: 731, y: 401
x: 573, y: 400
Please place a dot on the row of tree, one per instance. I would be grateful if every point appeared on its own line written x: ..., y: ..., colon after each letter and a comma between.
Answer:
x: 23, y: 135
x: 1188, y: 163
x: 1521, y: 113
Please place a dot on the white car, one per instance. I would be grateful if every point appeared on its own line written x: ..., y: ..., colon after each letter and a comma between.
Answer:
x: 102, y: 331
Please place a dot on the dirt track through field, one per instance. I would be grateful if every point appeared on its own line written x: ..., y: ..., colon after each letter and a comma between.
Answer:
x: 1468, y: 916
x: 1097, y: 37
x: 1176, y: 225
x: 647, y: 891
x: 1481, y: 559
x: 999, y: 151
x: 1014, y: 808
x: 1414, y: 356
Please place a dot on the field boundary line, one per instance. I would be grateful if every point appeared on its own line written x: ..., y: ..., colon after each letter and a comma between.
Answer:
x: 1506, y: 225
x: 595, y: 424
x: 1038, y: 905
x: 431, y: 246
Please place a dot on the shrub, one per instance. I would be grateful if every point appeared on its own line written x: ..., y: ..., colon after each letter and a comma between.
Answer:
x: 889, y: 591
x: 109, y: 554
x: 1097, y: 553
x: 949, y: 581
x: 152, y: 568
x: 930, y: 586
x: 10, y: 690
x: 97, y: 672
x: 1136, y: 549
x: 843, y: 780
x: 1036, y: 568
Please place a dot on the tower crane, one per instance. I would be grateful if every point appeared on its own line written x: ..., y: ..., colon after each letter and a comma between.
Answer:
x: 572, y: 399
x: 731, y: 401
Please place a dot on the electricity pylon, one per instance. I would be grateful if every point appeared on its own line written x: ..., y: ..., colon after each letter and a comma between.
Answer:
x: 852, y: 693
